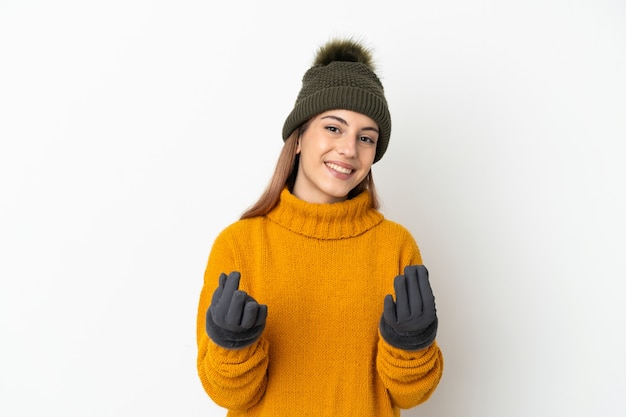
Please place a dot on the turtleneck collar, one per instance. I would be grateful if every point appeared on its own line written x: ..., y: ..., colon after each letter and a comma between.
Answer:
x: 325, y: 221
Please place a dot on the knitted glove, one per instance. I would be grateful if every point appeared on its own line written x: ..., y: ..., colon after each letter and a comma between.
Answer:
x: 411, y: 322
x: 234, y: 319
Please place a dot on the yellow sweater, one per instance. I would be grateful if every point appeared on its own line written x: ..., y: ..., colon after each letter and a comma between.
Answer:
x: 323, y: 270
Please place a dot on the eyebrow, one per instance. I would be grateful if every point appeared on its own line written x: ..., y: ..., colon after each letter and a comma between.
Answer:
x: 342, y: 121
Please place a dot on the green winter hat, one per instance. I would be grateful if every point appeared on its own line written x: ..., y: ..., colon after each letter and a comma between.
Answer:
x: 342, y: 77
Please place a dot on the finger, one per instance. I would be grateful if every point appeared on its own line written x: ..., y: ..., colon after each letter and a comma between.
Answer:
x: 235, y: 310
x: 217, y: 294
x: 231, y: 284
x: 250, y: 312
x: 222, y: 280
x: 428, y: 298
x: 413, y: 289
x: 261, y: 315
x: 402, y: 300
x: 389, y: 312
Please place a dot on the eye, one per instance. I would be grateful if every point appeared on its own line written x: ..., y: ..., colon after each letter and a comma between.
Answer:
x: 367, y: 139
x: 333, y: 129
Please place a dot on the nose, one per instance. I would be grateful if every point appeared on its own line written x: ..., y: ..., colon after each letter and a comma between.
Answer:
x: 346, y: 147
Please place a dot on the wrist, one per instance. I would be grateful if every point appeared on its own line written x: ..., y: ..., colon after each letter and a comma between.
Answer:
x: 232, y: 339
x: 413, y: 340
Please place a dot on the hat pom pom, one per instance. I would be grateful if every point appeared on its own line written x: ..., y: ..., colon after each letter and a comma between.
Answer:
x: 344, y: 50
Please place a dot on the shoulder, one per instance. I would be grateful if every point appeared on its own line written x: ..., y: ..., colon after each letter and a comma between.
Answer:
x: 240, y: 227
x: 395, y: 241
x: 395, y: 228
x: 396, y: 233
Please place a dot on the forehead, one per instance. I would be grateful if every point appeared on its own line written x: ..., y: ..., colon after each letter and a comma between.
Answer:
x: 349, y: 116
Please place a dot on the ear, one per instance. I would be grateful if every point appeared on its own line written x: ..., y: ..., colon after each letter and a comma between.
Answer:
x: 298, y: 146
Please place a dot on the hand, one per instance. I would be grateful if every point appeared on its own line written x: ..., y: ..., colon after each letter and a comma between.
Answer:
x: 410, y: 322
x: 234, y: 319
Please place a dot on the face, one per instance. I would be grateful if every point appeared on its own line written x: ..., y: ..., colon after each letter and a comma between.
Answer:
x: 336, y: 153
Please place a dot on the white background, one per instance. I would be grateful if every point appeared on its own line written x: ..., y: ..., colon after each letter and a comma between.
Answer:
x: 132, y: 132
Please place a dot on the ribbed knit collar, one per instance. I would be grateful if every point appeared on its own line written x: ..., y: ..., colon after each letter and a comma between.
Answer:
x: 325, y: 221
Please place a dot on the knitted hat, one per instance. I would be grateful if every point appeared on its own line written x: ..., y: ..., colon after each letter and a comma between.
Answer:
x: 342, y: 77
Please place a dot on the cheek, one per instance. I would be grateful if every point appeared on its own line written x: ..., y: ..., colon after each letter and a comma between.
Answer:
x: 315, y: 148
x: 367, y: 156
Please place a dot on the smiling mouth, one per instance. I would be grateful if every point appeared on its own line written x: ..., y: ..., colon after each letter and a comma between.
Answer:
x: 337, y: 168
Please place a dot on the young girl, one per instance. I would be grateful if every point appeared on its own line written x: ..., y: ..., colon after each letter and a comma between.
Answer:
x: 296, y: 316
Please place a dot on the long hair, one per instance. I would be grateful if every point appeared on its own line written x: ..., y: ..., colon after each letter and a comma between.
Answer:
x: 285, y: 175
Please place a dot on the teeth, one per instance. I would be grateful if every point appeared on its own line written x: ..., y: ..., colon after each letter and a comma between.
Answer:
x: 339, y: 169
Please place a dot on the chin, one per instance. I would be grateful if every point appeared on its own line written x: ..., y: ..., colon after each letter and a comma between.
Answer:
x: 338, y: 196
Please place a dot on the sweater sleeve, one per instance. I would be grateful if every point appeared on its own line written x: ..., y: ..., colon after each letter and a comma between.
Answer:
x: 410, y: 377
x: 234, y: 378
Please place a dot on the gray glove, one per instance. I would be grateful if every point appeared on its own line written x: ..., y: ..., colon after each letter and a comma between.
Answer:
x: 411, y: 322
x: 234, y: 319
